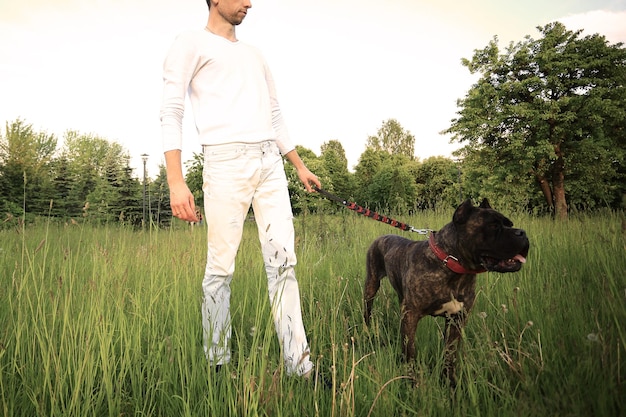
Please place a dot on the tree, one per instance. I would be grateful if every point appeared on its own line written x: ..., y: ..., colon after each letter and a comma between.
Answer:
x: 129, y: 198
x: 393, y: 139
x: 88, y: 177
x: 159, y: 195
x: 393, y: 186
x: 95, y: 168
x: 336, y: 164
x: 550, y: 110
x: 437, y: 183
x: 61, y: 183
x: 25, y: 156
x: 482, y: 177
x: 370, y: 162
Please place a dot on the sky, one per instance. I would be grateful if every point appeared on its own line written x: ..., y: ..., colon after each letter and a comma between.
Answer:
x: 341, y: 67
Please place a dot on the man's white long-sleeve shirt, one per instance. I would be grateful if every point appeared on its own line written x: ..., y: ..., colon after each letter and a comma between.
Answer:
x: 231, y: 90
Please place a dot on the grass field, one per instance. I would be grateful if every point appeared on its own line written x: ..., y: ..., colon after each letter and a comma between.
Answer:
x: 106, y: 322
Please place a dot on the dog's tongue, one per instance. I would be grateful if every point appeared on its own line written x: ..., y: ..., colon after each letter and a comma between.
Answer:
x: 520, y: 258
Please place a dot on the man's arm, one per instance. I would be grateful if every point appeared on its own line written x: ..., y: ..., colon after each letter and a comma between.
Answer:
x: 307, y: 177
x: 181, y: 199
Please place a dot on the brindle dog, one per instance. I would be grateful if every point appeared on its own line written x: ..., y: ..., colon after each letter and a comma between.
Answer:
x: 438, y: 277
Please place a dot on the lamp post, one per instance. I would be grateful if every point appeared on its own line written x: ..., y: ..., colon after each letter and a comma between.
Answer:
x: 144, y: 158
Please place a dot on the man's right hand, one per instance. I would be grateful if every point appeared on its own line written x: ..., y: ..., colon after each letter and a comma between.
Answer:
x: 182, y: 202
x: 181, y: 199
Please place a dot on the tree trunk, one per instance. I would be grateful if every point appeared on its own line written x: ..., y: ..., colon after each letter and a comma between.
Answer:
x: 560, y: 203
x: 544, y: 184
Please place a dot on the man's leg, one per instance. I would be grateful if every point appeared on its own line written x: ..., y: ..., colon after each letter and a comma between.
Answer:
x: 228, y: 187
x: 272, y: 209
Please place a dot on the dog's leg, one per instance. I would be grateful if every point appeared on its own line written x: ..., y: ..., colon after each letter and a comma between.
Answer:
x: 375, y: 271
x: 453, y: 332
x: 372, y: 284
x: 408, y: 326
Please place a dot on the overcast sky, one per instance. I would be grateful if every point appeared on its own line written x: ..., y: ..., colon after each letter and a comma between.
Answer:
x: 342, y: 67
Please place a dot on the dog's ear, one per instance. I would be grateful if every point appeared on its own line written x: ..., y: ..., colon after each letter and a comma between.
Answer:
x: 485, y: 204
x: 463, y: 212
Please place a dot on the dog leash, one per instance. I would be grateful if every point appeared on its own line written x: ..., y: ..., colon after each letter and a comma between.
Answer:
x: 370, y: 213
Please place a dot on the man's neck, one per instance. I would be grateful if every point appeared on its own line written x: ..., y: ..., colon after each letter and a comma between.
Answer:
x: 221, y: 28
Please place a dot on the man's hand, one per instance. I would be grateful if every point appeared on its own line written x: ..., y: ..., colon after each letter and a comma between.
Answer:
x: 307, y: 177
x: 181, y: 199
x: 182, y: 202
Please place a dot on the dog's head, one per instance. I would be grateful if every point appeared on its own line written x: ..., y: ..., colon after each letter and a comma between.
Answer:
x: 489, y: 239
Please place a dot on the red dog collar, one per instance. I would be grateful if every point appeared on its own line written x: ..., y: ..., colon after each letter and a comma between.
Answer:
x: 451, y: 262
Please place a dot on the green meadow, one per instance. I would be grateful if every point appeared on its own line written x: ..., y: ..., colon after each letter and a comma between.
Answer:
x: 98, y: 321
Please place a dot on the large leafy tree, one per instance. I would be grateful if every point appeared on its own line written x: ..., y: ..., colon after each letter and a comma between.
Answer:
x: 393, y: 139
x: 551, y: 110
x: 507, y: 190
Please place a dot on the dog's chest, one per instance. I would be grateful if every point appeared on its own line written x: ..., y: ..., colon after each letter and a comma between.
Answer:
x: 452, y: 299
x: 451, y: 307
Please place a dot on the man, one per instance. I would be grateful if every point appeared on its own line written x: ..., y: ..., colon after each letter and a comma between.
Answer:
x: 243, y: 135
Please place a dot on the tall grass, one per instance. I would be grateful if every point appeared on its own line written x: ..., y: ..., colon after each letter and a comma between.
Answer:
x: 106, y: 322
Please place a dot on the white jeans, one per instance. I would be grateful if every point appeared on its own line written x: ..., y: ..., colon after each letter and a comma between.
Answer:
x: 236, y: 176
